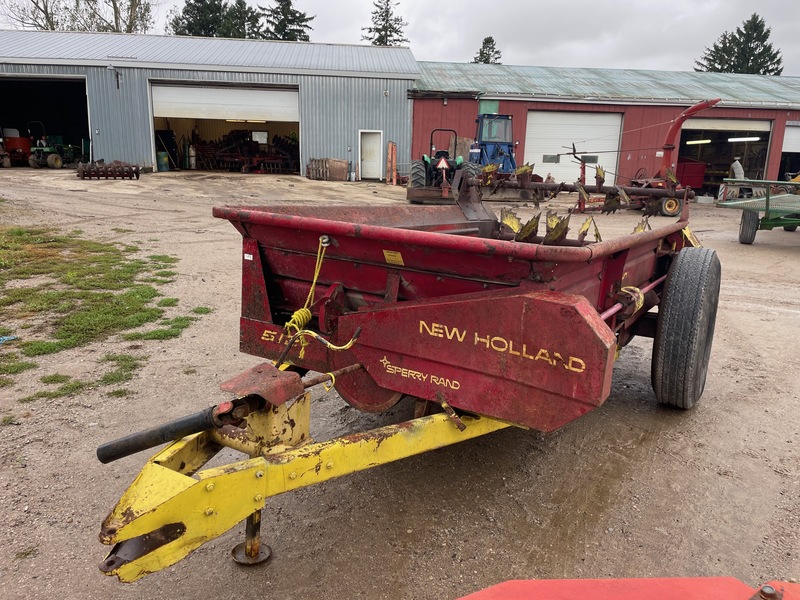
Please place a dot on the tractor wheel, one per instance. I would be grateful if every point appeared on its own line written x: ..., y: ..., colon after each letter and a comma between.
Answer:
x: 419, y: 174
x: 6, y: 162
x: 748, y: 227
x: 54, y: 161
x: 671, y: 207
x: 686, y: 317
x: 471, y: 169
x: 33, y: 162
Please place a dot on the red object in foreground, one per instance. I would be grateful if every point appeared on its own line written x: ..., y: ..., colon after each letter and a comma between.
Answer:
x: 699, y: 588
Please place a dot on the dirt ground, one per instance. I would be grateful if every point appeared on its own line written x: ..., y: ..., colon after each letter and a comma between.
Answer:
x: 629, y: 490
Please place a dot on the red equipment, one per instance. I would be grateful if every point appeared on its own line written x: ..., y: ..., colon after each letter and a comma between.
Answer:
x: 451, y: 314
x: 697, y: 588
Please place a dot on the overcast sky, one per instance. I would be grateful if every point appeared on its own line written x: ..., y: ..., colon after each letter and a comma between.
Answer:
x: 624, y: 34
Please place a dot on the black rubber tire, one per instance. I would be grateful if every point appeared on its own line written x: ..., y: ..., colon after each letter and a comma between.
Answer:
x: 471, y: 169
x: 748, y: 227
x: 686, y: 317
x: 790, y: 227
x: 6, y: 162
x: 418, y: 177
x: 33, y: 162
x: 671, y: 207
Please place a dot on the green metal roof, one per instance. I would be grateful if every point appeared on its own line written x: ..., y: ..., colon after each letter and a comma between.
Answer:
x: 606, y: 85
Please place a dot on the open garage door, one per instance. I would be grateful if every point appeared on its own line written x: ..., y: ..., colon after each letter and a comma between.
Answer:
x: 709, y: 147
x: 232, y: 128
x: 549, y: 134
x: 55, y: 107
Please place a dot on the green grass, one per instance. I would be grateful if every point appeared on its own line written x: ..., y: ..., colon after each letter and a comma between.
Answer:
x: 70, y: 292
x: 10, y: 420
x: 10, y: 365
x: 201, y: 310
x: 66, y: 389
x: 119, y: 393
x: 125, y: 364
x: 173, y: 328
x: 55, y: 378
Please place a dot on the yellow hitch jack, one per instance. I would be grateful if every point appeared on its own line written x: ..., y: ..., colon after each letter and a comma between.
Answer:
x: 174, y: 506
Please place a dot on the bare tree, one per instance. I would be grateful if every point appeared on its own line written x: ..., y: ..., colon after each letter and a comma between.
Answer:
x: 122, y: 16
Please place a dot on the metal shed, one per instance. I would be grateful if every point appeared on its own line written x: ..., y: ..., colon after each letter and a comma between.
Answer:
x: 121, y: 90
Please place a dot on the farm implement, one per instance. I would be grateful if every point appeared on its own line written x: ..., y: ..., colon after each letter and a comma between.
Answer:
x: 483, y: 323
x: 780, y: 205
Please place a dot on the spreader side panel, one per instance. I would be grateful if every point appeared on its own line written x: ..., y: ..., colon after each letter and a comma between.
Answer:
x: 538, y: 359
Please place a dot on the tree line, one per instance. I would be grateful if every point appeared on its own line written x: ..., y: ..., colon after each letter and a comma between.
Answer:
x: 747, y: 49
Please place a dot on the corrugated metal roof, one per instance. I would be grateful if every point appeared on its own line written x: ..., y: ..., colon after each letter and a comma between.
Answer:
x: 608, y: 85
x: 119, y: 49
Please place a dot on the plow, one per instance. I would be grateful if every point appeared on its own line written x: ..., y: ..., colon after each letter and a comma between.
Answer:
x: 483, y: 323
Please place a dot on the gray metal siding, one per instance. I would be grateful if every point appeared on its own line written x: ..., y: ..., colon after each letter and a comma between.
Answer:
x: 332, y: 109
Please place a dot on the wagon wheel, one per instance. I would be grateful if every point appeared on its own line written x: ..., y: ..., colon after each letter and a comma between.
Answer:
x: 748, y: 227
x: 686, y: 317
x: 33, y: 162
x: 671, y: 207
x: 791, y: 227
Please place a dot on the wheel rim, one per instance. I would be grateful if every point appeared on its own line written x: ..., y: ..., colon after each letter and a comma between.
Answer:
x: 671, y: 206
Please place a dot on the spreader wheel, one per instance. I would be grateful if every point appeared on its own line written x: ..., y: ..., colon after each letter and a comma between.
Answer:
x: 6, y: 162
x: 748, y: 227
x: 686, y: 317
x: 671, y: 207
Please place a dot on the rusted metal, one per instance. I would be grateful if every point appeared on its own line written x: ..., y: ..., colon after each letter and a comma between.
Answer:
x: 252, y: 551
x: 264, y: 380
x: 113, y: 170
x: 326, y: 377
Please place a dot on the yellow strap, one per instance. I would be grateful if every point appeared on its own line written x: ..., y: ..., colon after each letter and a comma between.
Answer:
x: 637, y: 295
x: 329, y: 385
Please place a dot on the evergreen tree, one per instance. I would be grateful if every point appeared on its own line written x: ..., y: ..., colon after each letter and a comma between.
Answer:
x: 387, y: 28
x: 283, y: 22
x: 241, y: 21
x: 198, y: 17
x: 488, y: 53
x: 746, y: 50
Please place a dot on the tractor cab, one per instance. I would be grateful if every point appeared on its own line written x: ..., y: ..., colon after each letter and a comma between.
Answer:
x: 494, y: 143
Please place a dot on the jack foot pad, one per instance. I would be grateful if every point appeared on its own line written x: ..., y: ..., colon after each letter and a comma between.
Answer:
x: 239, y: 554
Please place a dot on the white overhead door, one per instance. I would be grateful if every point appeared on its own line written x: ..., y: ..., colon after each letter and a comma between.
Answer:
x: 550, y: 134
x: 241, y: 104
x: 791, y: 139
x: 725, y: 124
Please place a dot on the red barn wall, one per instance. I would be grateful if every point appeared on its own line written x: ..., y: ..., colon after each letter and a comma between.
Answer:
x: 643, y: 127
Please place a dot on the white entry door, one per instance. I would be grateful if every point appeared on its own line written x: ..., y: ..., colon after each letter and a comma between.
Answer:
x: 371, y: 144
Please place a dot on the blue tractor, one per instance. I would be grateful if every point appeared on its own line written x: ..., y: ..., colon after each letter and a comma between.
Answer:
x: 494, y: 143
